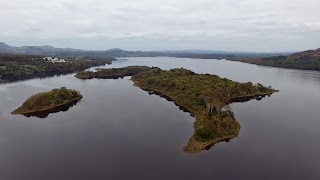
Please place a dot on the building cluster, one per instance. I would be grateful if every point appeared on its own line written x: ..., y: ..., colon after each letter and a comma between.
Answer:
x: 54, y: 60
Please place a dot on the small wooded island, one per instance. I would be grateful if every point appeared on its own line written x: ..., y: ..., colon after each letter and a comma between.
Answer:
x: 203, y: 95
x: 46, y: 101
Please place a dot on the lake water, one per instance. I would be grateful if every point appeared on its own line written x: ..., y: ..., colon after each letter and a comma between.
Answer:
x: 118, y: 131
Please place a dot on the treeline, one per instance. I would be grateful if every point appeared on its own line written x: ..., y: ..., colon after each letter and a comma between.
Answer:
x: 305, y: 63
x: 21, y: 67
x: 307, y: 60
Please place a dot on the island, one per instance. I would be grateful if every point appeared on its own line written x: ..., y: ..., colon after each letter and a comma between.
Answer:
x: 205, y: 96
x: 42, y: 104
x: 113, y: 73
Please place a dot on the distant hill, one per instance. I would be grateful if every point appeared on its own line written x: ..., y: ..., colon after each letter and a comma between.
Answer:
x: 115, y: 49
x: 307, y: 60
x: 34, y: 50
x: 310, y: 54
x: 4, y: 48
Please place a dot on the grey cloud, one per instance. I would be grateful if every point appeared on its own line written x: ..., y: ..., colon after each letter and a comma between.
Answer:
x: 249, y: 25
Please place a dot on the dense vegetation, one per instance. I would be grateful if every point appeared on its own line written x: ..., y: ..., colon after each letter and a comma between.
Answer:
x: 21, y: 67
x: 113, y: 73
x: 48, y: 100
x: 307, y: 60
x: 204, y: 95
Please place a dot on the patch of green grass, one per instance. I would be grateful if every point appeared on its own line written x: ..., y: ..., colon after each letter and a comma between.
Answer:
x: 3, y: 67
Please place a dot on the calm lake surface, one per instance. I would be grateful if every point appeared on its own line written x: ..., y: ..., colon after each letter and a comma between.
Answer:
x: 118, y: 131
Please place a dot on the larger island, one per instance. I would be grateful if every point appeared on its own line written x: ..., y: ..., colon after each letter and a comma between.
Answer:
x: 203, y: 95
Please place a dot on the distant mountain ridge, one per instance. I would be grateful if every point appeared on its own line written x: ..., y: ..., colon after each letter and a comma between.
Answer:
x: 47, y: 50
x: 116, y: 52
x: 35, y: 50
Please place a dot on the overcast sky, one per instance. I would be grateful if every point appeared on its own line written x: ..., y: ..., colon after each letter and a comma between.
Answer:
x: 242, y: 25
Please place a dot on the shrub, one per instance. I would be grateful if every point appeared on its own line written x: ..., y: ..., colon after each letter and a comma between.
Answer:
x: 203, y: 132
x: 201, y: 101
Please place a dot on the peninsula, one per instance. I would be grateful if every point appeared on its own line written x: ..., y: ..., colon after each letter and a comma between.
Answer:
x: 46, y: 101
x: 113, y: 73
x: 203, y: 95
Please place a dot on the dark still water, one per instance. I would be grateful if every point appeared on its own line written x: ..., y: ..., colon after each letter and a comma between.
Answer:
x: 118, y: 131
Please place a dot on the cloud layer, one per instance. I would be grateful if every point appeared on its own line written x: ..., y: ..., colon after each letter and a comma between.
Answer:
x: 247, y: 25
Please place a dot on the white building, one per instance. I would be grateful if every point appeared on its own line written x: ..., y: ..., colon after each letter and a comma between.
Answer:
x: 226, y: 108
x: 54, y: 60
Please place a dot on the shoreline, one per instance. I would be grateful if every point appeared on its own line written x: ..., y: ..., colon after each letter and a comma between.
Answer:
x: 248, y: 97
x: 112, y: 73
x: 47, y: 109
x: 113, y: 76
x: 192, y: 145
